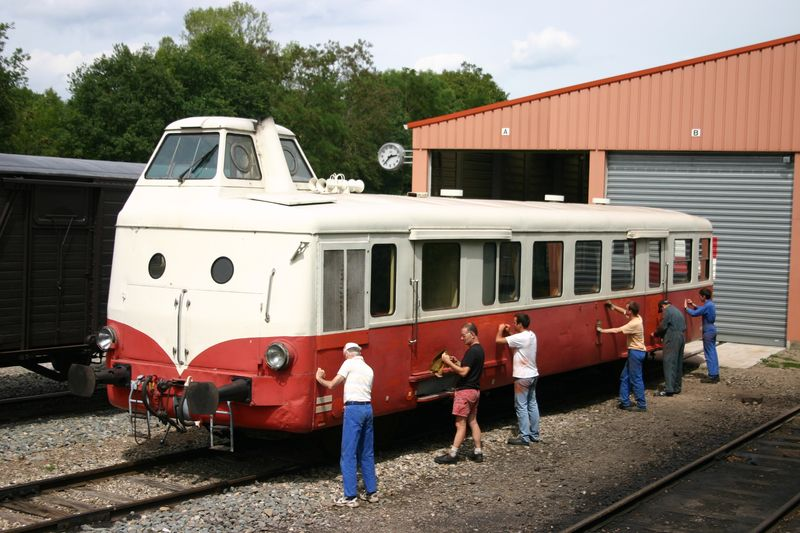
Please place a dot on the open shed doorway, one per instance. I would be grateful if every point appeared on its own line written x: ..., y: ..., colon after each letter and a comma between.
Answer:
x: 516, y: 175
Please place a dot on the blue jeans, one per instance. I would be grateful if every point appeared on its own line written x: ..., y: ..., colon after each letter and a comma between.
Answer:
x: 710, y: 353
x: 357, y: 449
x: 526, y: 407
x: 631, y: 378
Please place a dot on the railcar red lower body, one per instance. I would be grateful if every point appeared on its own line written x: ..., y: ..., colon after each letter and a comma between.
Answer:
x: 290, y: 400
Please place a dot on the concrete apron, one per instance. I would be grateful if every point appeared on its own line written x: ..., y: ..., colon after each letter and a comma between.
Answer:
x: 731, y: 355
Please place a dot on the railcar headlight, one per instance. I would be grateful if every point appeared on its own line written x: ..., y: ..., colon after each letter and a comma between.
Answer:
x: 277, y: 356
x: 106, y: 338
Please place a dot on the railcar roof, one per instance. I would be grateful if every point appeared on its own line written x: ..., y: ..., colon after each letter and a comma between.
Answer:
x: 228, y: 123
x: 36, y: 165
x: 349, y: 213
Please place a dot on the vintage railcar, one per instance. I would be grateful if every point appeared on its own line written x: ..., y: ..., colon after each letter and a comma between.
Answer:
x: 57, y: 220
x: 234, y: 278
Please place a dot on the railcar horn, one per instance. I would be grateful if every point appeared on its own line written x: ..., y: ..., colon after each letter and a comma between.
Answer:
x: 202, y: 398
x: 83, y: 379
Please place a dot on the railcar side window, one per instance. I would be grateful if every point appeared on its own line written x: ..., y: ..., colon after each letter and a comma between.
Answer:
x: 705, y: 259
x: 588, y: 258
x: 548, y: 260
x: 342, y: 290
x: 489, y: 272
x: 382, y: 275
x: 441, y: 271
x: 186, y: 156
x: 241, y: 162
x: 508, y: 286
x: 654, y: 263
x: 623, y: 264
x: 682, y: 261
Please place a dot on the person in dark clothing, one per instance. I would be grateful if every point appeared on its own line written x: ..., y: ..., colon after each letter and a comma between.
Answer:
x: 708, y: 311
x: 467, y: 395
x: 672, y: 330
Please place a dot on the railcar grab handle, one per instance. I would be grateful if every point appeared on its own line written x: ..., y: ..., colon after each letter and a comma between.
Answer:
x: 269, y: 295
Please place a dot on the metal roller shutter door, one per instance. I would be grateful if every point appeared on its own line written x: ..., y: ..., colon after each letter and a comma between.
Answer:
x: 748, y: 199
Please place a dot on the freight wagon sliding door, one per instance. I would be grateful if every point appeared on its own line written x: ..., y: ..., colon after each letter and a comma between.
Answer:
x: 748, y: 199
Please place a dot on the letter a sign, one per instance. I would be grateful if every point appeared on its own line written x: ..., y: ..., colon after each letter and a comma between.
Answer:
x: 505, y: 132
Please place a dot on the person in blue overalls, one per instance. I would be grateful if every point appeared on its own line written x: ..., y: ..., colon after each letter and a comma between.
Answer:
x: 708, y: 311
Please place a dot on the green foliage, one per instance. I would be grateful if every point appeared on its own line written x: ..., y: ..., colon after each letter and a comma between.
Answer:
x: 330, y: 95
x: 12, y: 80
x: 44, y: 125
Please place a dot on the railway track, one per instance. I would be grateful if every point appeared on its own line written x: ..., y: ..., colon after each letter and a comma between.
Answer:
x: 749, y: 484
x: 101, y: 494
x: 17, y: 408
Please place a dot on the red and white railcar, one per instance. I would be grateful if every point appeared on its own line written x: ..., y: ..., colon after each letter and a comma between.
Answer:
x: 237, y: 273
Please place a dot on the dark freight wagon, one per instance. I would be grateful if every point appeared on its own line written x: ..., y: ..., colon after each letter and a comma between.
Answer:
x: 57, y: 220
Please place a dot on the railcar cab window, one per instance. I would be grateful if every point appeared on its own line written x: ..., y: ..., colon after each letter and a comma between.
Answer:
x: 383, y: 274
x: 186, y: 156
x: 682, y: 261
x: 508, y: 285
x: 705, y: 260
x: 548, y: 259
x: 441, y: 271
x: 241, y: 162
x: 588, y: 259
x: 623, y: 264
x: 654, y: 263
x: 343, y: 289
x: 298, y: 168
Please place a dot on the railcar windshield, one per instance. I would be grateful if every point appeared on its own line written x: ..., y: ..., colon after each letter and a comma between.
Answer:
x: 298, y: 167
x: 185, y: 156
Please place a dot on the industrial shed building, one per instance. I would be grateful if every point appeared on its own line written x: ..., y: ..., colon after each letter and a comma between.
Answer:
x: 716, y: 136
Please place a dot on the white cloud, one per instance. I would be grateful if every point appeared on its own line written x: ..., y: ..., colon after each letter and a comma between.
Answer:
x: 440, y: 62
x: 49, y: 70
x: 548, y: 47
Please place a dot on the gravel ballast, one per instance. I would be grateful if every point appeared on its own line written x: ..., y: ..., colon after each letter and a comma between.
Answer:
x: 591, y: 455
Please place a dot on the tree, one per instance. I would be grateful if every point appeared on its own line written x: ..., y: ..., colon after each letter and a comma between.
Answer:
x: 12, y: 80
x: 44, y: 125
x: 239, y: 19
x: 121, y: 104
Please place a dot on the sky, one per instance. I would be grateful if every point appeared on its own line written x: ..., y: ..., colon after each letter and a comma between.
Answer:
x: 528, y: 46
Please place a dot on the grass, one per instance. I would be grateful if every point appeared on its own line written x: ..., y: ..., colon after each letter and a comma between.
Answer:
x: 785, y: 359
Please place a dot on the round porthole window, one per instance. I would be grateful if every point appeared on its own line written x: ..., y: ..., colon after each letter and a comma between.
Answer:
x: 156, y: 266
x: 222, y: 270
x: 241, y: 158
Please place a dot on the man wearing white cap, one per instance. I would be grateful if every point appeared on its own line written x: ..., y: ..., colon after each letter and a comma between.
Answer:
x: 357, y: 430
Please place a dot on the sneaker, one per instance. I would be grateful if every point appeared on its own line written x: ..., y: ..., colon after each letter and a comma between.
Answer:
x: 518, y: 441
x: 446, y: 459
x: 477, y: 457
x: 371, y: 497
x: 710, y: 379
x: 346, y: 502
x: 638, y: 409
x: 624, y: 407
x: 663, y: 393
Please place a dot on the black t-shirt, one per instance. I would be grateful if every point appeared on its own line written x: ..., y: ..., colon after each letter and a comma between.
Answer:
x: 473, y: 358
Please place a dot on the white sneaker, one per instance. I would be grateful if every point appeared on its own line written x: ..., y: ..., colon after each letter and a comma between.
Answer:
x: 346, y: 502
x: 370, y: 497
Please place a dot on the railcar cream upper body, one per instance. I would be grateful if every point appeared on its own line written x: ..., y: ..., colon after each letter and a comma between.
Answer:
x: 258, y: 227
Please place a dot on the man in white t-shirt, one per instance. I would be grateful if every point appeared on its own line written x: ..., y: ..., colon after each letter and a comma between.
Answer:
x: 525, y: 373
x: 357, y: 430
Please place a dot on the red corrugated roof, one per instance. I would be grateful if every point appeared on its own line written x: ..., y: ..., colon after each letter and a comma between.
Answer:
x: 604, y: 81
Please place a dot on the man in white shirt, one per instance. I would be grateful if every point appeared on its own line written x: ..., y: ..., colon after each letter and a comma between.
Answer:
x: 525, y: 373
x: 357, y: 430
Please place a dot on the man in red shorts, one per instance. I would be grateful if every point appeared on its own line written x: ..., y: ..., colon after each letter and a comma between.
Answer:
x: 468, y: 393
